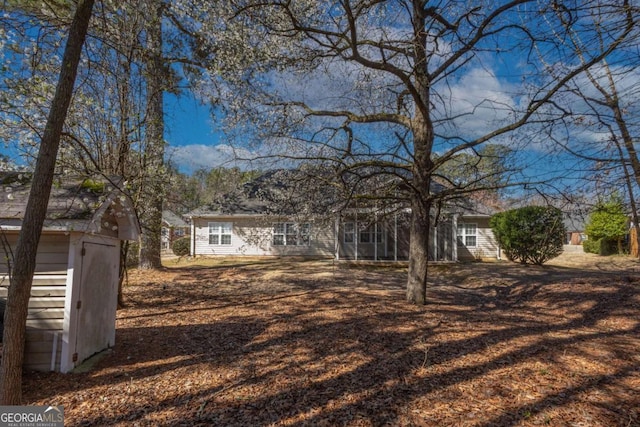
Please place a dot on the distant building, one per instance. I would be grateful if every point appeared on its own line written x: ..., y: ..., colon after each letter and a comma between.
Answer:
x: 260, y: 219
x: 173, y: 228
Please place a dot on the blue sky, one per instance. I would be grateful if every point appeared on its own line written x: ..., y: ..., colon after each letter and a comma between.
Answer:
x: 189, y: 130
x: 481, y: 96
x: 189, y: 125
x: 188, y: 121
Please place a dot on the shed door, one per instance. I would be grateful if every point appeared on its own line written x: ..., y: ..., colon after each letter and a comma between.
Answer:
x: 97, y: 301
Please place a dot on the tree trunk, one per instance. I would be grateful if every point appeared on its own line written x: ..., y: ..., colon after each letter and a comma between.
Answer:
x: 418, y: 252
x: 422, y: 171
x: 124, y: 251
x: 25, y: 254
x: 150, y: 240
x: 632, y: 202
x: 421, y: 203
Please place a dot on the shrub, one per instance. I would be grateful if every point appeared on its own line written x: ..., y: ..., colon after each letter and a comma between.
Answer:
x: 600, y: 246
x: 591, y: 246
x: 608, y: 223
x: 181, y: 247
x: 531, y: 235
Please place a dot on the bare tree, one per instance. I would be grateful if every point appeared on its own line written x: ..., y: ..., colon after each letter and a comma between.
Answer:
x: 116, y: 121
x: 377, y: 86
x: 597, y: 111
x: 25, y: 253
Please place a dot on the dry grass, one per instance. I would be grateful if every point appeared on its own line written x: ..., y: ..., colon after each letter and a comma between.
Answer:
x: 293, y: 343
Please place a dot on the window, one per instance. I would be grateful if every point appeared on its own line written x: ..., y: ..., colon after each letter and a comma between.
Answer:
x: 371, y: 235
x: 219, y: 233
x: 467, y: 234
x: 291, y: 234
x: 349, y: 232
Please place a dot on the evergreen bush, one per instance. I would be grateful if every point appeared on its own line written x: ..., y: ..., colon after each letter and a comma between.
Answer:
x: 530, y: 235
x: 182, y: 246
x: 602, y: 246
x: 591, y: 246
x: 608, y: 224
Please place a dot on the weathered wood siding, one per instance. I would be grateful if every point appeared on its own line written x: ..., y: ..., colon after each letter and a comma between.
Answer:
x: 46, y: 306
x: 52, y: 256
x: 254, y: 236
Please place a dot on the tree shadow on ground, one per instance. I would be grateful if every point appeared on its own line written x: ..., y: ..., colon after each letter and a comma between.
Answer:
x: 349, y: 351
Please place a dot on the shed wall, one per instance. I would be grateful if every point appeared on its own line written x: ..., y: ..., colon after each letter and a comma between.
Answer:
x: 45, y: 317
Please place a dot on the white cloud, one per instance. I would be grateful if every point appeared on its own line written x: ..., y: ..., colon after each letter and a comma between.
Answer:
x: 189, y: 158
x: 475, y: 104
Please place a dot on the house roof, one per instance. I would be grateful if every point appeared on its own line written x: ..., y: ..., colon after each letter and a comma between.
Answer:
x: 173, y: 220
x: 294, y: 192
x: 236, y: 203
x: 574, y: 222
x: 75, y: 204
x: 277, y: 192
x: 474, y: 207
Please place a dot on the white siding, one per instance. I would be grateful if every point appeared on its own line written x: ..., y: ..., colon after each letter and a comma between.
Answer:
x: 253, y: 236
x: 486, y: 245
x: 52, y: 255
x: 45, y: 317
x: 40, y: 349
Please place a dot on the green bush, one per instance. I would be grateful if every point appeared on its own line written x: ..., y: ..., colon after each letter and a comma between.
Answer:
x: 600, y: 246
x: 609, y: 224
x: 591, y: 246
x: 181, y: 247
x: 530, y: 235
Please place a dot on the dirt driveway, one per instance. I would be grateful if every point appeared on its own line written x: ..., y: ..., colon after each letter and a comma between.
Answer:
x: 295, y: 343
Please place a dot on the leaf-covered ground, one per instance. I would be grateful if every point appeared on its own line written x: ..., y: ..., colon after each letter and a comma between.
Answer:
x: 297, y: 343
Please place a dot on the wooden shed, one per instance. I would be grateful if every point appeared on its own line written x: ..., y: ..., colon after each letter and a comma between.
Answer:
x: 72, y: 310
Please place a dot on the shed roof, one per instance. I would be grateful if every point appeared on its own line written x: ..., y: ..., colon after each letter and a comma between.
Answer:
x: 75, y: 204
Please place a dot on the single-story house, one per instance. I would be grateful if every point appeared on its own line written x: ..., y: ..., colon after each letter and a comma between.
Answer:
x: 72, y: 310
x: 244, y: 223
x: 574, y: 225
x: 173, y: 228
